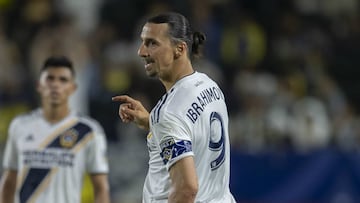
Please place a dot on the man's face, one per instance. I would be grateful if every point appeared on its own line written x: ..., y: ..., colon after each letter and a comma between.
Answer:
x: 56, y: 85
x: 157, y: 50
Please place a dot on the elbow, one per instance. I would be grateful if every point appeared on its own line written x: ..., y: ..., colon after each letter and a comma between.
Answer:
x: 186, y: 193
x: 193, y: 189
x: 190, y: 191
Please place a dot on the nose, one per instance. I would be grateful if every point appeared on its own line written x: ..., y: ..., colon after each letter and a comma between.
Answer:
x: 54, y: 84
x: 142, y: 51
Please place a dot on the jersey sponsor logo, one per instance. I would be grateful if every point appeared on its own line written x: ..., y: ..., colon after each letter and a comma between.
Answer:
x: 48, y: 158
x: 41, y: 163
x: 172, y: 149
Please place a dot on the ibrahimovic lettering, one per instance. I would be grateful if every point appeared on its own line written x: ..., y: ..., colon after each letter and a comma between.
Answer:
x: 205, y: 97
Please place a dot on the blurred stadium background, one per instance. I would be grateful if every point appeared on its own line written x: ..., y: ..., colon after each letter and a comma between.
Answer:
x: 289, y: 69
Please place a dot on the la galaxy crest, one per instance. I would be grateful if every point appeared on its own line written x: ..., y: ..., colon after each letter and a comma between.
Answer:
x: 68, y: 138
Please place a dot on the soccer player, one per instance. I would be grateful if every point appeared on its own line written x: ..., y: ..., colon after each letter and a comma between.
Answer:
x: 188, y: 139
x: 50, y: 149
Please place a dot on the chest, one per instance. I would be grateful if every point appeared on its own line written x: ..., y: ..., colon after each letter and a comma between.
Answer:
x: 51, y: 146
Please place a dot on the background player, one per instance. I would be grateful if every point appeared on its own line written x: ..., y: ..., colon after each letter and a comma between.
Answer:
x: 188, y: 140
x: 50, y: 149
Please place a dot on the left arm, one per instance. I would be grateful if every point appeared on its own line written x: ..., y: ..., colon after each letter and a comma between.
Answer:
x: 184, y: 183
x: 101, y: 188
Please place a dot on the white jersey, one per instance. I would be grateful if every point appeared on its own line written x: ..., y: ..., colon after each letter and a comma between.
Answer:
x: 191, y: 119
x: 51, y: 159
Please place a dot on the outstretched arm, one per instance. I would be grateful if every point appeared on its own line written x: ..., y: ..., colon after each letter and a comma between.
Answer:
x: 132, y: 110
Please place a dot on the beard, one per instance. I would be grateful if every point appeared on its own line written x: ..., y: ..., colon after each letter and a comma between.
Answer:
x: 152, y: 73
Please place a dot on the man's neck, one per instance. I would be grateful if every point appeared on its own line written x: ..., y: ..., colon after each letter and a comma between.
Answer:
x: 180, y: 70
x: 55, y: 114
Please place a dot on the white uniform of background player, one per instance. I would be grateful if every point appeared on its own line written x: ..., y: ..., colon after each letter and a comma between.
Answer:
x: 51, y: 159
x: 191, y: 119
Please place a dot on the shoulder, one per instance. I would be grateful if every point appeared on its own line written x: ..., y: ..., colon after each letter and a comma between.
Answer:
x: 93, y: 124
x: 23, y: 122
x: 192, y: 84
x: 26, y: 118
x: 188, y: 90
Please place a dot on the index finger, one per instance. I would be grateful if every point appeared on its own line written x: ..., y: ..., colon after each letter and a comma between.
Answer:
x: 123, y: 98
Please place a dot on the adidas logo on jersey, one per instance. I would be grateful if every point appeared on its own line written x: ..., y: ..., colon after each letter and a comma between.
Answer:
x: 29, y: 138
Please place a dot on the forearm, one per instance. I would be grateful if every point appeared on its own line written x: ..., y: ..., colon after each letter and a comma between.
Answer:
x: 102, y: 197
x: 8, y: 187
x: 101, y: 188
x: 183, y: 196
x: 184, y: 185
x: 7, y: 196
x: 7, y: 193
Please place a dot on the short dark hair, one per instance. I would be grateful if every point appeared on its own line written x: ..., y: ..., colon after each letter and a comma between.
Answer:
x: 58, y: 61
x: 180, y: 30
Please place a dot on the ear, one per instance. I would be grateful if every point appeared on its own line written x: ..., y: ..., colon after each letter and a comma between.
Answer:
x: 180, y: 49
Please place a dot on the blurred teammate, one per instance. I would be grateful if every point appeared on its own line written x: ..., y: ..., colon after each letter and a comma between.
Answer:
x: 50, y: 149
x: 188, y: 139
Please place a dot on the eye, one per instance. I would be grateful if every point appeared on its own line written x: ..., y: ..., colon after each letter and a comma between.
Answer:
x: 150, y: 42
x: 64, y: 79
x: 50, y: 78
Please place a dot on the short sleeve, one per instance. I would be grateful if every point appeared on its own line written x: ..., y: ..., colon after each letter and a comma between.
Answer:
x: 10, y: 159
x: 174, y: 140
x: 97, y: 161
